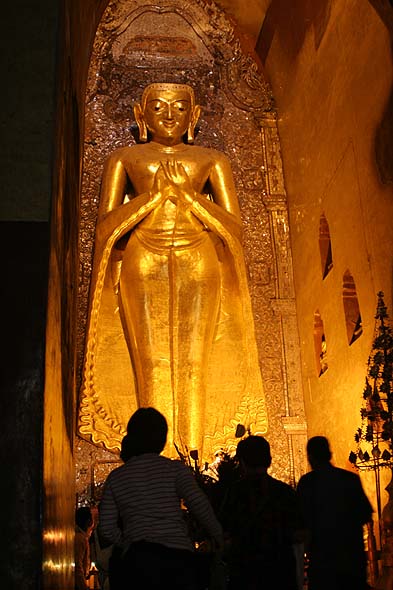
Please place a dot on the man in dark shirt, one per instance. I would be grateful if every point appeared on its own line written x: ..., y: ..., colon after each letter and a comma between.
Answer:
x: 335, y: 508
x: 261, y: 520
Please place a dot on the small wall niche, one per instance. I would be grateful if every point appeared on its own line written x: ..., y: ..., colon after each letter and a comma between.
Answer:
x: 353, y: 318
x: 325, y: 246
x: 320, y: 344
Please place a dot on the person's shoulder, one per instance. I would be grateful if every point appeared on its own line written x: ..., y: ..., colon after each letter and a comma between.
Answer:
x: 149, y: 459
x: 161, y: 461
x: 305, y: 480
x: 116, y: 472
x: 307, y: 476
x: 180, y: 469
x: 332, y: 470
x: 177, y: 465
x: 281, y: 487
x: 164, y: 460
x: 345, y: 475
x: 137, y: 465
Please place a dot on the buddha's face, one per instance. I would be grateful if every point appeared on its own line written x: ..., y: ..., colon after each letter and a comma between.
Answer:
x: 167, y: 114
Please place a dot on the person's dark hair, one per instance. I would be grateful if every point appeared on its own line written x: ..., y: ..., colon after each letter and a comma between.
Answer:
x: 147, y: 430
x: 126, y: 451
x: 318, y: 450
x: 83, y: 518
x: 254, y: 451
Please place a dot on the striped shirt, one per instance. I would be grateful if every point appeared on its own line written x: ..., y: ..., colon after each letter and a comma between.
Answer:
x: 141, y: 501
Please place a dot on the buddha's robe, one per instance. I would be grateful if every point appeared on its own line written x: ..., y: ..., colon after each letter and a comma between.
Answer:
x: 171, y: 325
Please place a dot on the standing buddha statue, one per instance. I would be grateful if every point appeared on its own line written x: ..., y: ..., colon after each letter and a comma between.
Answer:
x: 169, y: 282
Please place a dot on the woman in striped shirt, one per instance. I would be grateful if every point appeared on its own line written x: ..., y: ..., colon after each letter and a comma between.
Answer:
x: 141, y: 512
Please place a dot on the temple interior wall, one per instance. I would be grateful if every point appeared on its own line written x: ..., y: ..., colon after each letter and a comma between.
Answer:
x: 60, y: 397
x: 331, y: 75
x: 329, y: 65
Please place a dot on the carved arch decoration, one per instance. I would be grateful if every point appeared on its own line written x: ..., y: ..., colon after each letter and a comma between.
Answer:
x: 139, y: 42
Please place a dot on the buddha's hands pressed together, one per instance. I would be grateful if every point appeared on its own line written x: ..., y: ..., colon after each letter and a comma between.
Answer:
x: 172, y: 182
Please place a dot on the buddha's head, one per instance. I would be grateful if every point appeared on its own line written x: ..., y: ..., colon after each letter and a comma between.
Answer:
x: 168, y: 112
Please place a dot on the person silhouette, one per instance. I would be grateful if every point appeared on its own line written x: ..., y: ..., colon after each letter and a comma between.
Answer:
x: 261, y: 523
x: 83, y: 528
x: 334, y: 508
x: 141, y: 514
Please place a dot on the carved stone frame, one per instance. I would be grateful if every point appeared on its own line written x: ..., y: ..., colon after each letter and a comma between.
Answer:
x: 240, y: 119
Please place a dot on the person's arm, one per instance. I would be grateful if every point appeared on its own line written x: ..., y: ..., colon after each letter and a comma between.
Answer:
x: 80, y: 562
x: 364, y: 507
x: 305, y: 506
x: 108, y: 525
x: 103, y: 554
x: 198, y: 504
x: 297, y: 533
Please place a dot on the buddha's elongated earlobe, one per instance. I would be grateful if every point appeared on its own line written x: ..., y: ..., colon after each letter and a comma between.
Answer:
x: 138, y: 114
x: 190, y: 134
x: 194, y: 119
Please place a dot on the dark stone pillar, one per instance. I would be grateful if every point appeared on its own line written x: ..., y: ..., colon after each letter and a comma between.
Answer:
x: 24, y: 250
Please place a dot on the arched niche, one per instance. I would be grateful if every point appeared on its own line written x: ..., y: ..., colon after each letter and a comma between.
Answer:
x: 325, y: 246
x: 141, y: 42
x: 353, y: 318
x: 320, y: 344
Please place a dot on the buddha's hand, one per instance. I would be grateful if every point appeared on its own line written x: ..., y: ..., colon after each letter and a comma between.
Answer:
x: 177, y: 182
x: 160, y: 182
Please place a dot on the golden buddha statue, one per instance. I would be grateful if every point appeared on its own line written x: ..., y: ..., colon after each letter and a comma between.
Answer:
x: 170, y: 321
